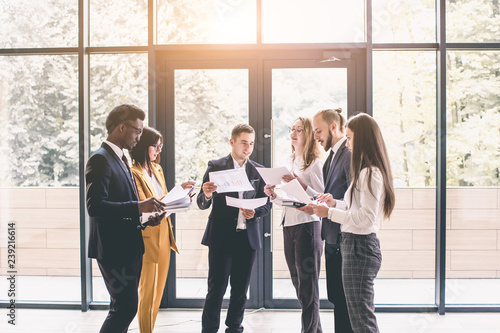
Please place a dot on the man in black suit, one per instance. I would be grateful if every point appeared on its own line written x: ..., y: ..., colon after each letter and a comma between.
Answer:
x: 114, y: 210
x: 232, y: 235
x: 328, y: 128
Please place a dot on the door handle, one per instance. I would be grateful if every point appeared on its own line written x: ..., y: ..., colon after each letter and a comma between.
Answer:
x: 267, y: 234
x: 267, y: 136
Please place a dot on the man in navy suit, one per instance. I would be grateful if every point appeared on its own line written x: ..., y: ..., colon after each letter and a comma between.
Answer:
x: 328, y: 128
x: 114, y: 210
x: 232, y: 235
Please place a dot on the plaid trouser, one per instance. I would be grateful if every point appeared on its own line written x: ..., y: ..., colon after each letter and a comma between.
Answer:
x: 361, y: 260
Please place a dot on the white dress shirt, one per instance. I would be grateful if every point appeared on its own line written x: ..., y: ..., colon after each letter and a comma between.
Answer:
x: 118, y: 151
x: 365, y: 213
x: 242, y: 222
x: 313, y: 178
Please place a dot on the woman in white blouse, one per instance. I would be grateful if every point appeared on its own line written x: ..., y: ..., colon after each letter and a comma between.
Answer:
x: 368, y: 200
x: 302, y: 232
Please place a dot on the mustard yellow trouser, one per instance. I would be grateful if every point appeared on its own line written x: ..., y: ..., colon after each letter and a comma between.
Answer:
x: 151, y: 285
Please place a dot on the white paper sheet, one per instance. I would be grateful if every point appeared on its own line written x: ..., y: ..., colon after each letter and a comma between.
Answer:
x: 177, y: 200
x: 175, y: 196
x: 232, y: 180
x: 273, y: 176
x: 245, y: 203
x: 295, y: 190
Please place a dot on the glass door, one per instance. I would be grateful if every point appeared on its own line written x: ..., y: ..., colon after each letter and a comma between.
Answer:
x: 204, y: 101
x: 293, y: 89
x: 198, y: 103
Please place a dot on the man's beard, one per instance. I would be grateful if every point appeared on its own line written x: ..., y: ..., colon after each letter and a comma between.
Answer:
x: 329, y: 141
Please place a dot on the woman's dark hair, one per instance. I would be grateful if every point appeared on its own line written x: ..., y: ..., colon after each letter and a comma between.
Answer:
x: 140, y: 153
x: 369, y: 150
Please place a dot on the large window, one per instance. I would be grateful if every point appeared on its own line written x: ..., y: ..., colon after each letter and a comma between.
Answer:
x: 65, y: 64
x: 39, y: 176
x: 206, y: 22
x: 473, y: 158
x: 404, y: 105
x: 315, y: 21
x: 404, y: 21
x: 32, y: 23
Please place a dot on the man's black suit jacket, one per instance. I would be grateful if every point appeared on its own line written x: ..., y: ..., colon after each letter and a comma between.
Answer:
x: 223, y: 219
x: 113, y: 208
x: 337, y: 181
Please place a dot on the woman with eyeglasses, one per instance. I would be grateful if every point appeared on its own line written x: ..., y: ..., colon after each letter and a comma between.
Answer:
x: 369, y: 200
x: 158, y: 240
x: 302, y: 232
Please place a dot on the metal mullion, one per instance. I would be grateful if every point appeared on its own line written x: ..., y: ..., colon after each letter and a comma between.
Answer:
x: 44, y: 305
x: 369, y: 58
x: 473, y: 46
x: 254, y: 47
x: 84, y: 150
x: 40, y: 51
x: 406, y: 46
x: 440, y: 267
x: 116, y: 49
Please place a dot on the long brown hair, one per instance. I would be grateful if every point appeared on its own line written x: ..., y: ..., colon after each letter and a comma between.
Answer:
x: 369, y: 150
x: 311, y: 150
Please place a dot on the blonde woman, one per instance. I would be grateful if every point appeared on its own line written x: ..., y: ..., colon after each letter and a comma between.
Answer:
x: 301, y: 231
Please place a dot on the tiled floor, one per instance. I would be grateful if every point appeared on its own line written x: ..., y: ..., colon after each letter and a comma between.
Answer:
x: 256, y: 321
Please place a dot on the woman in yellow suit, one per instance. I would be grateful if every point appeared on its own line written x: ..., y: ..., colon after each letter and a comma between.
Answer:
x: 157, y: 240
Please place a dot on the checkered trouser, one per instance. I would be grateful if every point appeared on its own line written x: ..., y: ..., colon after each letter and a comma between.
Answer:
x: 361, y: 260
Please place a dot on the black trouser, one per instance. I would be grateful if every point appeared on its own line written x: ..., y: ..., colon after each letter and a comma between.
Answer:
x: 335, y: 288
x: 234, y: 264
x: 303, y: 249
x: 122, y: 280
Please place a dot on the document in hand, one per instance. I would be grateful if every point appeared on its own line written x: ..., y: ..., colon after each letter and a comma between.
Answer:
x: 232, y: 180
x: 295, y: 190
x: 273, y: 176
x: 177, y: 200
x: 246, y: 203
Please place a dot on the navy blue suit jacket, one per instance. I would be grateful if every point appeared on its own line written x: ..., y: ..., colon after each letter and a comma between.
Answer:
x: 223, y: 219
x: 337, y: 182
x: 113, y: 208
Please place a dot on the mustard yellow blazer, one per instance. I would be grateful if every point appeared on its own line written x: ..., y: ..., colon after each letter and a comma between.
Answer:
x: 154, y: 237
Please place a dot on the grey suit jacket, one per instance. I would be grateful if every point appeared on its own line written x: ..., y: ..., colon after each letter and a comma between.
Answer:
x: 336, y: 181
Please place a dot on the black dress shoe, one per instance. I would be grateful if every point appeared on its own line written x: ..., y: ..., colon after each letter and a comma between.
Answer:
x: 234, y: 330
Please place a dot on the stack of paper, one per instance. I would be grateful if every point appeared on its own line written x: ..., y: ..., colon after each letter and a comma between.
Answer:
x: 177, y: 200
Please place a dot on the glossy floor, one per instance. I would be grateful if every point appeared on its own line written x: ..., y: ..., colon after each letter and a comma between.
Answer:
x: 256, y: 321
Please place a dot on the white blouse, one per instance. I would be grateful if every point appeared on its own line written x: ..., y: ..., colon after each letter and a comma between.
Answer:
x: 366, y: 211
x: 156, y: 184
x: 312, y: 176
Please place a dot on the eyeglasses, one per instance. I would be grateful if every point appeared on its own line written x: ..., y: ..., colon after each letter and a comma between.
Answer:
x: 158, y: 147
x: 137, y: 130
x: 293, y: 129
